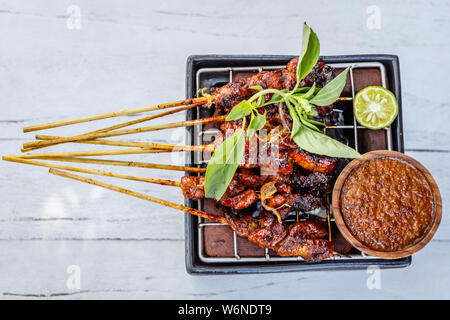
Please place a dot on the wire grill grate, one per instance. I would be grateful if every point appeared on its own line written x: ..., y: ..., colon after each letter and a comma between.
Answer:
x: 354, y: 126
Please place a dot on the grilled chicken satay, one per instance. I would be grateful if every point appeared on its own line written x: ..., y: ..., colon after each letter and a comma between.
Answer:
x: 241, y: 193
x: 236, y: 91
x: 299, y: 239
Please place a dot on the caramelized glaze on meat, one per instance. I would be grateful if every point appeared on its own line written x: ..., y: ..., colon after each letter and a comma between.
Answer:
x: 314, y: 162
x: 193, y: 187
x: 241, y: 201
x: 299, y: 239
x: 303, y: 240
x: 313, y: 181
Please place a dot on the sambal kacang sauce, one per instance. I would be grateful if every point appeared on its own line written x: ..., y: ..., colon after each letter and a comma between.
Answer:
x: 387, y: 204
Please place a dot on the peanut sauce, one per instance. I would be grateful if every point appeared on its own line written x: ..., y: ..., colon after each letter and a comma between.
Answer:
x: 387, y: 204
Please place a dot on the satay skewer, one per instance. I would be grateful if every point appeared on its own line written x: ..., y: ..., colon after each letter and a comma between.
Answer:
x: 89, y: 153
x: 166, y: 203
x: 126, y: 164
x: 140, y: 196
x: 125, y: 132
x: 93, y: 171
x: 199, y: 101
x: 124, y: 124
x: 147, y: 145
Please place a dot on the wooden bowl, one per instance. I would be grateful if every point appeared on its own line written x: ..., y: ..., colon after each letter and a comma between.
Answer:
x: 418, y: 244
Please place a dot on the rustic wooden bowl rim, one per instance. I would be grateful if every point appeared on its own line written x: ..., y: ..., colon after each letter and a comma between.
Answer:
x: 409, y: 250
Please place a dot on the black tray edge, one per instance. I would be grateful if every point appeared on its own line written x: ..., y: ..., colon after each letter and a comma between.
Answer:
x: 194, y: 265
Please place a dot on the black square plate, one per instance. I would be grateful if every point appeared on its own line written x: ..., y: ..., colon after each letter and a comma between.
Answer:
x: 194, y: 263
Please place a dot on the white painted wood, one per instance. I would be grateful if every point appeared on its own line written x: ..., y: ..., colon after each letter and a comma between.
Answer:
x: 155, y: 269
x: 133, y: 53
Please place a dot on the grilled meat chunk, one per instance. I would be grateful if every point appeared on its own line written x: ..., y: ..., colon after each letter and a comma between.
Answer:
x: 299, y: 239
x: 268, y: 237
x: 313, y: 162
x: 313, y: 182
x: 241, y: 201
x: 303, y: 240
x: 193, y: 187
x: 312, y: 250
x: 285, y: 203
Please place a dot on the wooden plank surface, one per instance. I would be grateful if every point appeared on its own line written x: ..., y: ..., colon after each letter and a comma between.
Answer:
x: 132, y: 54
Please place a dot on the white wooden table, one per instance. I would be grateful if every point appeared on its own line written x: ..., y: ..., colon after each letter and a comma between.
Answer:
x: 132, y: 53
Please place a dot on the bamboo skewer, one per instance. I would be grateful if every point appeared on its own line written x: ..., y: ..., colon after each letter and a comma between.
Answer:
x: 93, y: 171
x: 125, y: 132
x: 147, y: 145
x: 88, y: 153
x: 202, y: 100
x: 126, y: 164
x: 207, y: 99
x: 166, y: 203
x: 124, y: 124
x: 140, y: 196
x: 147, y: 118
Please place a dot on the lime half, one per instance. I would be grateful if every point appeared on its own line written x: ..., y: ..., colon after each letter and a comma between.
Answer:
x: 375, y: 107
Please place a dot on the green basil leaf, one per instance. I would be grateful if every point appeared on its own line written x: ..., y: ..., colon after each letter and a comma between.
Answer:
x: 296, y: 124
x: 302, y: 90
x: 309, y: 124
x: 315, y: 122
x: 256, y: 123
x: 318, y: 143
x: 257, y: 88
x: 260, y: 102
x: 223, y: 164
x: 310, y: 92
x: 276, y: 98
x: 331, y: 91
x: 309, y: 54
x: 239, y: 111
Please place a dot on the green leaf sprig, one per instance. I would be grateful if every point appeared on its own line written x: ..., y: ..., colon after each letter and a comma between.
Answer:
x: 301, y: 104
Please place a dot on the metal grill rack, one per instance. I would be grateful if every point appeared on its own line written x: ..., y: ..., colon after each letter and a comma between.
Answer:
x: 267, y: 257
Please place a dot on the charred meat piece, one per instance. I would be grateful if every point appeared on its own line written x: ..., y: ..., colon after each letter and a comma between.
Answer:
x: 305, y: 203
x: 313, y: 162
x: 268, y: 237
x: 313, y: 181
x: 238, y: 195
x: 282, y: 163
x: 299, y: 239
x: 303, y: 240
x: 312, y: 250
x: 193, y: 187
x: 310, y: 229
x: 308, y: 202
x: 241, y: 201
x: 242, y: 224
x: 321, y: 74
x: 285, y: 203
x: 251, y: 180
